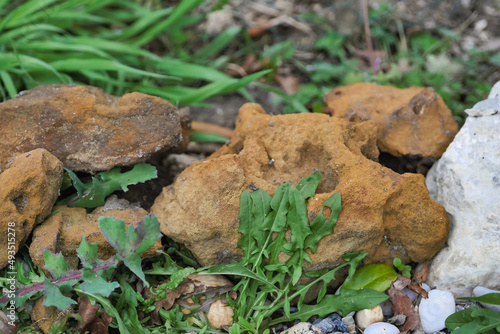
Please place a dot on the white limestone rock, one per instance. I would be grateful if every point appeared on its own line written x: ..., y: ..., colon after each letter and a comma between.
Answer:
x: 466, y: 181
x: 434, y: 310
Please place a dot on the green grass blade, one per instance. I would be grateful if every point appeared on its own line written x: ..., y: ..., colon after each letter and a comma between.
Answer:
x: 144, y: 22
x: 218, y: 43
x: 171, y: 93
x: 27, y: 64
x: 191, y: 71
x: 109, y: 46
x: 20, y: 15
x: 177, y: 14
x: 76, y: 65
x: 58, y: 46
x: 8, y: 83
x: 198, y: 136
x: 6, y: 37
x: 220, y: 87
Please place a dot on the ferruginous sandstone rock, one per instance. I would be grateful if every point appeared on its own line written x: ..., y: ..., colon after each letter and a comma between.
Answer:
x: 384, y: 213
x: 87, y: 129
x: 29, y: 187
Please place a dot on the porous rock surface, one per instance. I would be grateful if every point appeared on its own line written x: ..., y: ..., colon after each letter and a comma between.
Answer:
x: 412, y: 121
x: 29, y: 187
x: 387, y: 214
x: 87, y: 129
x: 63, y: 231
x: 466, y: 181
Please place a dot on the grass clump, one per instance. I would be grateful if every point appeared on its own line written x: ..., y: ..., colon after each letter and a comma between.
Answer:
x: 109, y: 44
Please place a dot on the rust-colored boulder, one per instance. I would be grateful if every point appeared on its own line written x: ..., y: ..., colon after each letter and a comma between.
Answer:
x: 63, y: 231
x: 28, y: 189
x: 44, y: 317
x: 384, y: 213
x: 412, y: 121
x: 87, y: 129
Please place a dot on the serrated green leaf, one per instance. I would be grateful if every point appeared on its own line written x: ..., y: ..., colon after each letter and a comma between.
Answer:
x: 322, y: 227
x: 87, y: 253
x: 280, y: 204
x: 307, y: 186
x: 143, y: 236
x: 245, y: 228
x: 93, y: 194
x: 55, y: 264
x: 297, y: 219
x: 54, y: 297
x: 378, y: 277
x: 93, y: 283
x: 346, y: 302
x: 235, y: 269
x: 129, y: 246
x: 489, y: 298
x: 178, y: 277
x: 261, y: 205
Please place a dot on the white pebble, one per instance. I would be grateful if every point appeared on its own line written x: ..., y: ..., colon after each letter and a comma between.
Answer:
x: 365, y: 318
x: 381, y: 328
x: 435, y: 309
x: 480, y: 290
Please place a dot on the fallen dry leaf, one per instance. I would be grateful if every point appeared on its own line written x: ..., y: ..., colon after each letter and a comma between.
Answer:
x: 289, y: 83
x: 91, y: 323
x: 4, y: 325
x: 402, y: 304
x: 420, y: 277
x: 260, y: 27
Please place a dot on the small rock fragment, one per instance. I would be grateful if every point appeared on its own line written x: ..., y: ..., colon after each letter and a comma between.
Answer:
x: 350, y: 324
x: 220, y: 314
x: 28, y: 189
x: 381, y: 328
x: 303, y: 328
x: 365, y: 318
x: 434, y: 310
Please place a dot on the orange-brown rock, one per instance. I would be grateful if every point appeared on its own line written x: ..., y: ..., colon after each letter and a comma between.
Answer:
x: 384, y: 213
x: 28, y: 189
x: 44, y: 317
x: 412, y: 121
x: 87, y: 129
x: 63, y: 232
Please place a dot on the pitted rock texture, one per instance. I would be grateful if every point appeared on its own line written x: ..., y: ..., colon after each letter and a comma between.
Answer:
x: 412, y: 121
x: 87, y: 129
x: 63, y: 232
x: 29, y: 188
x: 466, y: 181
x: 387, y: 214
